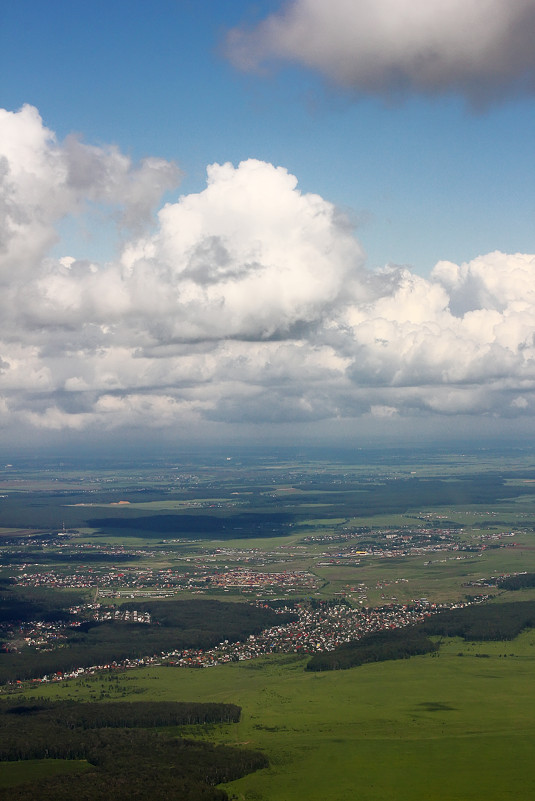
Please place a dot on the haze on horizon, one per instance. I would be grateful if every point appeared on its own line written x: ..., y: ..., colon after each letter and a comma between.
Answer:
x: 206, y: 218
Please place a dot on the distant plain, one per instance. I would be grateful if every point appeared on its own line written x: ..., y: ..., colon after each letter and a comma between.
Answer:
x: 457, y: 726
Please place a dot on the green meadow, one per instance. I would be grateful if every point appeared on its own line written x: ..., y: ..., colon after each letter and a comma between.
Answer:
x: 457, y: 726
x: 454, y: 726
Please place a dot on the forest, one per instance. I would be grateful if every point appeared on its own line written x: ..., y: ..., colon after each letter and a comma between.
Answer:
x: 519, y: 582
x: 476, y: 622
x: 502, y: 621
x: 128, y: 759
x: 381, y: 646
x: 21, y: 604
x: 176, y: 625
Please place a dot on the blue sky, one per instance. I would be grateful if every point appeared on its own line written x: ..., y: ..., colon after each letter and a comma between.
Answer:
x: 425, y: 178
x: 388, y: 287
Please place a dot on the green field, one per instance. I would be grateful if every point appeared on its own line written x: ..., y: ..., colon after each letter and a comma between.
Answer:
x: 457, y: 726
x: 460, y: 725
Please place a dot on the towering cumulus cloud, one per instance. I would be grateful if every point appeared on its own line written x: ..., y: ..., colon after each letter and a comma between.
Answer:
x: 478, y: 48
x: 249, y: 301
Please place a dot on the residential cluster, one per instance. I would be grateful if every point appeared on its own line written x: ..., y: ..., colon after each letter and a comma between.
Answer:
x: 322, y: 629
x: 390, y: 543
x: 44, y: 636
x: 109, y: 580
x: 315, y: 630
x: 289, y: 580
x: 123, y: 615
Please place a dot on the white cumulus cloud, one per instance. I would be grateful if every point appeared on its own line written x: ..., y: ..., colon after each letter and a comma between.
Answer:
x: 248, y: 302
x: 42, y: 181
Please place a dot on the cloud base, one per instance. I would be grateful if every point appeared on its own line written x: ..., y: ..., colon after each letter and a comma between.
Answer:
x: 479, y: 49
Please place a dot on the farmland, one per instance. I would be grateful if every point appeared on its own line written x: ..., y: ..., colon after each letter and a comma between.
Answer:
x: 331, y: 541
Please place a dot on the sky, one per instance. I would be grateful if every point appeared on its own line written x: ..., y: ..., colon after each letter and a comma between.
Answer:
x: 266, y: 221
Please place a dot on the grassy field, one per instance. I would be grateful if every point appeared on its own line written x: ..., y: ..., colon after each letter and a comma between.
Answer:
x: 458, y: 726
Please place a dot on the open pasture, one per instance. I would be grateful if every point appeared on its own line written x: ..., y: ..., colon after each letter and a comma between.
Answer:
x: 460, y: 725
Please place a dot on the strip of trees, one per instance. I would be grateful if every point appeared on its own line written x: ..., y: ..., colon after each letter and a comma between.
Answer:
x: 128, y: 760
x: 380, y: 646
x: 482, y: 622
x: 176, y: 625
x: 114, y: 714
x: 520, y: 582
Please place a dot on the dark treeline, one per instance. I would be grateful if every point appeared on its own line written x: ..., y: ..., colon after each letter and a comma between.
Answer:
x: 401, y: 494
x: 177, y: 625
x: 56, y: 557
x: 482, y: 622
x: 381, y: 646
x: 21, y: 604
x: 520, y: 582
x: 128, y: 763
x: 112, y: 714
x: 247, y: 524
x: 210, y: 616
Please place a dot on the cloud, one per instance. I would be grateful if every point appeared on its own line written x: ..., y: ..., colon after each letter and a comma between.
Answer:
x: 246, y: 303
x: 249, y: 257
x: 42, y: 181
x: 480, y: 49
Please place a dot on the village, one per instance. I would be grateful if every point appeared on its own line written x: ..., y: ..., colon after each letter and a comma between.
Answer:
x: 204, y: 571
x: 111, y: 576
x: 318, y: 627
x: 117, y: 582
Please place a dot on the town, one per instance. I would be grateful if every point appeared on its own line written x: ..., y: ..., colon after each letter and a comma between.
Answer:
x: 320, y: 626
